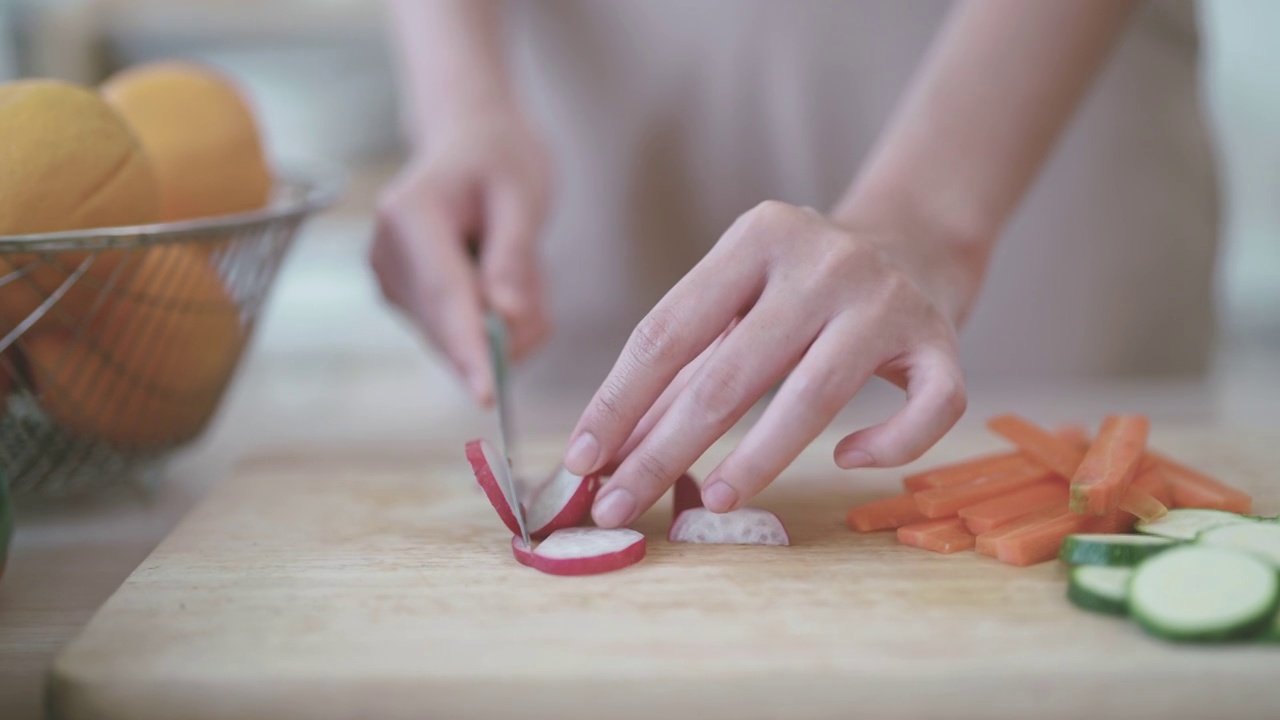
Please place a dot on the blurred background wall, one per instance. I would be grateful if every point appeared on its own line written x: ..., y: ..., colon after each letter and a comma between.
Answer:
x: 321, y: 76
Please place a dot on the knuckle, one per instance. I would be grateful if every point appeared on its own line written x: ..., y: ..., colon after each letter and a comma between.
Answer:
x: 651, y: 467
x: 955, y: 396
x: 768, y: 218
x: 655, y: 341
x: 818, y: 392
x: 607, y: 405
x: 717, y: 393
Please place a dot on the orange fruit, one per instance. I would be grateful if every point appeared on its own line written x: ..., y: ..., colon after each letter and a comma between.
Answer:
x: 201, y: 135
x: 68, y: 161
x: 152, y: 365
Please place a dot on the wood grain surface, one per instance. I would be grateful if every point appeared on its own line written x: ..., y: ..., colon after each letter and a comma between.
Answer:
x: 366, y: 586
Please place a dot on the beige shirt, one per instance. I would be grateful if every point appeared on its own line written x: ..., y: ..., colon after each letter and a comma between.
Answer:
x: 668, y: 118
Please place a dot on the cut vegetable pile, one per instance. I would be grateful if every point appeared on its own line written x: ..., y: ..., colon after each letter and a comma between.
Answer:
x: 1019, y: 506
x: 1192, y: 576
x: 561, y: 504
x: 1144, y: 535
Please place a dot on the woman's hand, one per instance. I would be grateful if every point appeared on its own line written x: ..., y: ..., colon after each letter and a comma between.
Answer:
x: 786, y: 292
x: 483, y: 180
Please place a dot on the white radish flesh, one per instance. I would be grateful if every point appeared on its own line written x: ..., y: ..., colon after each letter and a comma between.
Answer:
x: 582, y: 551
x: 747, y: 526
x: 485, y: 464
x: 561, y: 502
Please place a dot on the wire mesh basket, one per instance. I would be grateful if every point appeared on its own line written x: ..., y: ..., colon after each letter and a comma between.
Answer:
x: 118, y: 345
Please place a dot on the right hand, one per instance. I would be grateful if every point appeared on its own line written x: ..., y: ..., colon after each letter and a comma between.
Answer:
x: 482, y: 179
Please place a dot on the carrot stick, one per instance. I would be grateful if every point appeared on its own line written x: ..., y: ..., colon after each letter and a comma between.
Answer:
x: 942, y: 536
x: 1151, y: 477
x: 1041, y: 541
x: 1192, y: 489
x: 1077, y: 435
x: 985, y: 543
x: 947, y: 501
x: 991, y: 514
x: 1056, y: 454
x: 961, y: 472
x: 885, y: 514
x: 1110, y: 464
x: 1142, y: 504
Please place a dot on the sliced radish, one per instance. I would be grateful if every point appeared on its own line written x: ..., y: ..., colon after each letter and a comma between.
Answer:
x: 484, y: 463
x: 582, y: 551
x: 686, y: 496
x: 747, y: 526
x: 561, y: 502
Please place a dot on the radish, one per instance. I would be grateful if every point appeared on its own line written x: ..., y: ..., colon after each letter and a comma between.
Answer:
x: 686, y: 496
x: 484, y: 463
x: 582, y: 551
x: 747, y: 526
x: 561, y: 502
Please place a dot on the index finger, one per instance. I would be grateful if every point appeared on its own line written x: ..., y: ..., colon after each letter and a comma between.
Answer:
x: 691, y: 315
x: 442, y: 292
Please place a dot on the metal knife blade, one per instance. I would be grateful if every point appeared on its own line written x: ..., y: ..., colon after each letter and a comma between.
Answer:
x: 497, y: 332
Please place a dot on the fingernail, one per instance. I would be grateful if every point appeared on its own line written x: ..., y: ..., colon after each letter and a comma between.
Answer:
x: 856, y: 459
x: 614, y: 509
x: 584, y: 453
x: 719, y: 497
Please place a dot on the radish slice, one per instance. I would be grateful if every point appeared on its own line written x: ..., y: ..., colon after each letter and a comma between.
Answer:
x: 582, y: 551
x: 561, y: 502
x: 747, y: 526
x: 484, y: 461
x: 686, y: 496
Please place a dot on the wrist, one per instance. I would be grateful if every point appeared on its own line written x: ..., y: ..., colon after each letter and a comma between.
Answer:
x: 464, y: 111
x: 943, y: 242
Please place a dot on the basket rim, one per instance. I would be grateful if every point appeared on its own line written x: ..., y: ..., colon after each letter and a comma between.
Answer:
x: 318, y: 188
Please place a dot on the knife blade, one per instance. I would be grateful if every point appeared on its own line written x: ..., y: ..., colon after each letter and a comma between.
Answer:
x: 496, y: 329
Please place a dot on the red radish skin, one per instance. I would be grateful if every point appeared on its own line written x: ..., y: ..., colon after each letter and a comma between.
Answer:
x: 561, y: 502
x: 686, y: 495
x: 481, y: 455
x: 747, y: 526
x: 582, y: 551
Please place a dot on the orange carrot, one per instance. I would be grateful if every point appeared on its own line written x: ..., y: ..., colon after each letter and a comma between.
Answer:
x: 1110, y: 464
x: 962, y: 472
x: 1077, y: 435
x: 1192, y: 489
x: 1142, y: 504
x: 947, y: 501
x: 1056, y: 454
x: 1151, y: 477
x: 985, y: 543
x: 991, y: 514
x: 942, y: 536
x: 1040, y: 542
x: 885, y: 514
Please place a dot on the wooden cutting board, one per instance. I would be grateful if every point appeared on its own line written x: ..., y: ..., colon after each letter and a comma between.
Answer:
x: 349, y: 586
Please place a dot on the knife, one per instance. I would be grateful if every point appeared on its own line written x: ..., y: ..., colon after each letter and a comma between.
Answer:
x: 496, y: 330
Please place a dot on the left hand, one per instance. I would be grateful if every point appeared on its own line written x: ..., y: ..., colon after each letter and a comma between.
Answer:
x: 786, y: 292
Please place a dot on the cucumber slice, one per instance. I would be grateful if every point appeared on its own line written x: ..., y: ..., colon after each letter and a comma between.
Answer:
x: 1100, y: 589
x: 1272, y: 634
x: 1187, y: 523
x: 1197, y: 593
x: 1260, y: 539
x: 1111, y: 549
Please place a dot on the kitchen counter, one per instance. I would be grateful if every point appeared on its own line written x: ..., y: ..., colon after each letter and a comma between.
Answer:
x: 332, y: 368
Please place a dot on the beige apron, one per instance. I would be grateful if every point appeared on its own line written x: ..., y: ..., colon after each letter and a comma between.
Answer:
x: 668, y: 118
